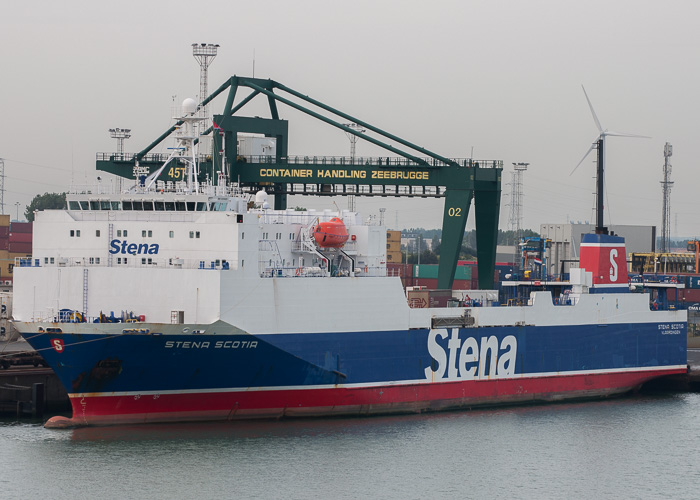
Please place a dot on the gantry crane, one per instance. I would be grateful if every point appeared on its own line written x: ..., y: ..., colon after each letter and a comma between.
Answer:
x: 406, y: 174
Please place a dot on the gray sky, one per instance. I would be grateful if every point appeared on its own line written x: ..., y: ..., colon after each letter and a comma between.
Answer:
x: 501, y: 77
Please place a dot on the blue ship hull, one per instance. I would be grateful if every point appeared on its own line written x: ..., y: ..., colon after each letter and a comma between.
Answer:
x: 117, y: 378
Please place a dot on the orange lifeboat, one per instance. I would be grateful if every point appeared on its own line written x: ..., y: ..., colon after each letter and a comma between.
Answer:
x: 331, y: 234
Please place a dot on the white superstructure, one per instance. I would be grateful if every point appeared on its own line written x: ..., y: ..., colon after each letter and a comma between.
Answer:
x: 169, y: 252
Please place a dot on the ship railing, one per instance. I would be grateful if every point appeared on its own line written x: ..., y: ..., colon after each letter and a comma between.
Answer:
x: 160, y: 186
x: 67, y: 315
x: 317, y: 271
x: 128, y: 261
x: 391, y: 161
x: 267, y: 268
x: 377, y: 161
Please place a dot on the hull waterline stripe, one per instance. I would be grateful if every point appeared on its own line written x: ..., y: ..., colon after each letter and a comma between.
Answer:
x: 369, y: 385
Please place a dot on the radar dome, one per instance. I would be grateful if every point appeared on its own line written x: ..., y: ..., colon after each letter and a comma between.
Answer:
x: 189, y: 106
x: 260, y: 197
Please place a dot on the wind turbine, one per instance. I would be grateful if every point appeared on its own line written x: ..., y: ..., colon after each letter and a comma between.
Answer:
x: 599, y: 144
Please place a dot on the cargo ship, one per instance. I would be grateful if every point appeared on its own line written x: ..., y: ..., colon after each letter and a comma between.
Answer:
x: 192, y: 301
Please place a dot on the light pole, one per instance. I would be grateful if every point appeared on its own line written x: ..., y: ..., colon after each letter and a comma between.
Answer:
x: 17, y: 205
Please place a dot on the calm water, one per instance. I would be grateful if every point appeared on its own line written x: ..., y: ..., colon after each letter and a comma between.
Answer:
x: 636, y: 447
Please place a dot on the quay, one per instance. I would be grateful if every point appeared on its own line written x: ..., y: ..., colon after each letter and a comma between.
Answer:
x: 27, y: 388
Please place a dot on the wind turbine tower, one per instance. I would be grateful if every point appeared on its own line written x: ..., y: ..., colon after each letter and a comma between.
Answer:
x: 599, y: 144
x: 666, y: 185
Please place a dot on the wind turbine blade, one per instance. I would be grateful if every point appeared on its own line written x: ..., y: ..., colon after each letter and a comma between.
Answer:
x: 595, y: 117
x: 584, y: 157
x: 623, y: 134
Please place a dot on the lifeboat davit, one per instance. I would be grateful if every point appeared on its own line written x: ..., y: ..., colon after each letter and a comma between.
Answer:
x: 331, y: 234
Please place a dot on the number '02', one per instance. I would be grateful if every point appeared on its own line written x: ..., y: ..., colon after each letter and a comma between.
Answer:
x: 454, y: 212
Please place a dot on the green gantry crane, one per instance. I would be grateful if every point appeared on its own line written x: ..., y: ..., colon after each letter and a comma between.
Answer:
x: 404, y: 175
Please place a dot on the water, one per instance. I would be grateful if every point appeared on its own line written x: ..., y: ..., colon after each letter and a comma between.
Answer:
x: 636, y: 447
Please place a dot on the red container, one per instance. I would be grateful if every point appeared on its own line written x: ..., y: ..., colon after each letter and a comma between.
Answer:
x: 20, y: 227
x: 4, y: 243
x: 395, y: 269
x: 691, y: 295
x: 4, y: 231
x: 20, y: 237
x: 429, y: 283
x: 462, y: 285
x: 20, y: 247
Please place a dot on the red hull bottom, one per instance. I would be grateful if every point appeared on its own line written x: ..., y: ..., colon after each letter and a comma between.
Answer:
x: 348, y: 401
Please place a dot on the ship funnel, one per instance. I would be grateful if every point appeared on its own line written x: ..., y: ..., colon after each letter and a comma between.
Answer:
x: 605, y: 257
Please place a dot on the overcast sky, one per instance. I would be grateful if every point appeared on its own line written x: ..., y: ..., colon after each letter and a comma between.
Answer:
x: 500, y: 77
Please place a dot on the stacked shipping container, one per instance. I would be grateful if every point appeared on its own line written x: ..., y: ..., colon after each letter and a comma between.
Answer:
x: 393, y: 247
x: 15, y: 241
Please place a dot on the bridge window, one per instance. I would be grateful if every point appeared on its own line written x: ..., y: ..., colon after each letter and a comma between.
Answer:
x: 172, y: 234
x: 138, y: 205
x: 180, y: 206
x: 169, y: 206
x: 84, y: 205
x: 94, y: 205
x: 191, y: 206
x: 159, y: 205
x: 148, y: 206
x: 74, y: 205
x: 97, y: 233
x: 105, y: 205
x: 127, y: 205
x: 115, y: 205
x: 201, y: 206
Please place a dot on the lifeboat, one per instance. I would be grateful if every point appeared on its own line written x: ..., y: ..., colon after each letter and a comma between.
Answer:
x: 331, y: 234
